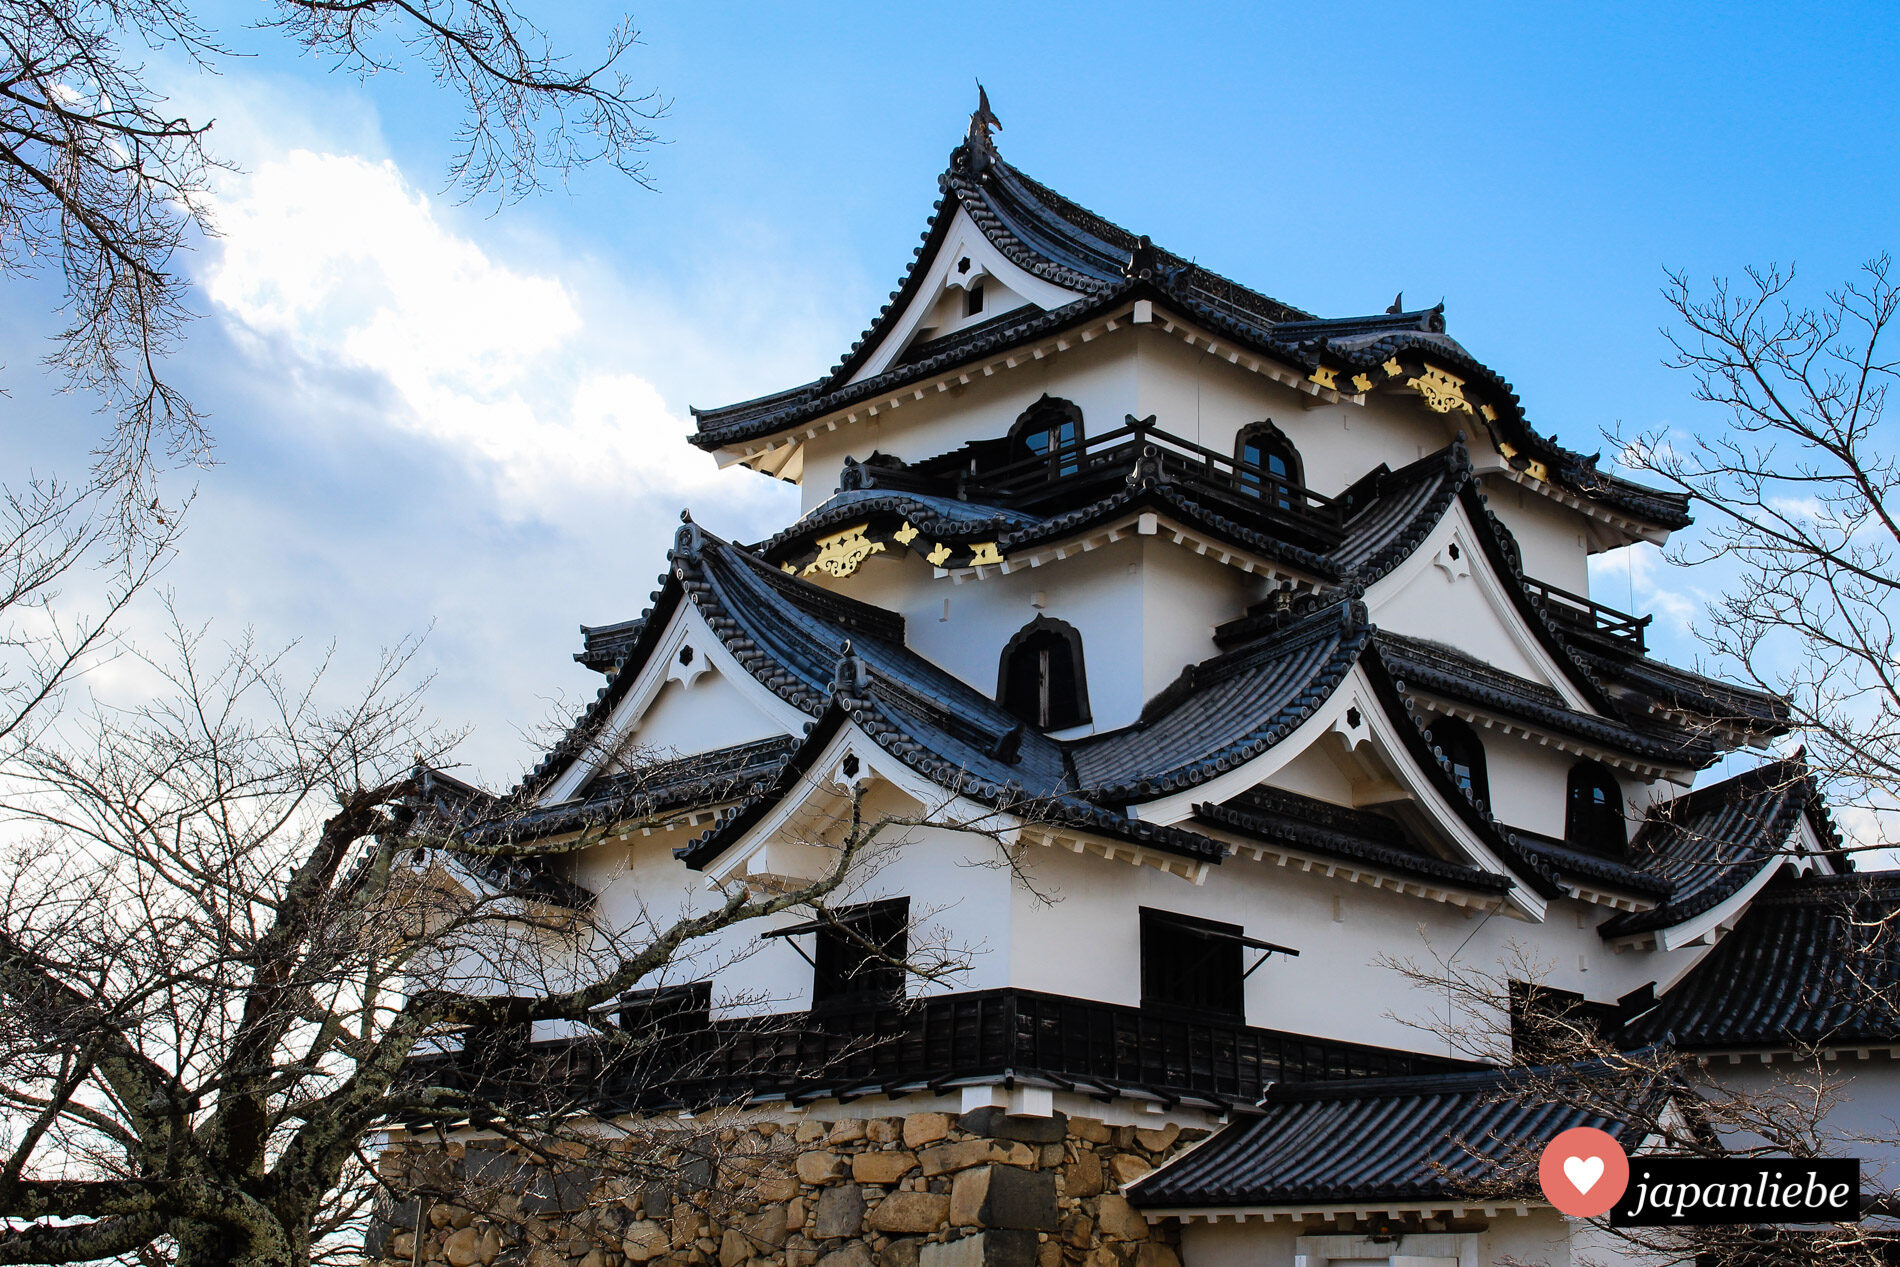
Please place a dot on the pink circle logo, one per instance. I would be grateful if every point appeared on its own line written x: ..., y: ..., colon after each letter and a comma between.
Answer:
x: 1583, y: 1172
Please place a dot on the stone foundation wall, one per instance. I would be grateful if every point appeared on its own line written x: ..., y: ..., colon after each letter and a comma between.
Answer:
x: 923, y: 1190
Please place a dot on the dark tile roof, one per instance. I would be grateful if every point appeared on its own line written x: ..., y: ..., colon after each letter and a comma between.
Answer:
x: 1708, y: 844
x: 1445, y: 671
x: 1572, y: 863
x: 651, y: 788
x: 1225, y: 711
x: 1683, y: 690
x: 1401, y: 507
x: 1053, y: 238
x: 1813, y: 962
x: 1299, y: 822
x: 1365, y: 1141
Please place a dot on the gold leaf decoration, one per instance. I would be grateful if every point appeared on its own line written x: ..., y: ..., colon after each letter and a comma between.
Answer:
x: 1442, y: 393
x: 905, y: 535
x: 983, y: 554
x: 939, y: 556
x: 841, y: 552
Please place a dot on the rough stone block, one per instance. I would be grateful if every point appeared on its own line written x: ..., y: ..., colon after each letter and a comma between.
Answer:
x: 840, y: 1212
x: 1154, y: 1254
x: 925, y: 1128
x: 768, y: 1227
x: 1110, y: 1254
x: 910, y: 1213
x: 998, y: 1124
x: 819, y: 1166
x: 1049, y: 1254
x: 882, y: 1130
x: 795, y: 1213
x: 1158, y: 1141
x: 776, y: 1187
x: 1125, y: 1168
x: 1005, y: 1197
x: 1082, y: 1177
x: 463, y: 1248
x: 1120, y: 1221
x: 856, y: 1254
x: 847, y: 1130
x: 946, y: 1158
x: 882, y: 1168
x: 903, y: 1252
x: 1078, y: 1230
x: 644, y: 1240
x: 809, y: 1132
x: 734, y: 1247
x: 995, y: 1248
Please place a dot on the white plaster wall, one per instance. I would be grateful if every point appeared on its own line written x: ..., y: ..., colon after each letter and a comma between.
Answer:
x: 1865, y: 1123
x: 1550, y: 537
x: 1087, y: 943
x: 1440, y: 606
x: 1542, y: 1238
x: 1207, y: 399
x: 709, y: 713
x: 1145, y: 607
x: 1530, y: 784
x: 1098, y: 376
x: 955, y: 903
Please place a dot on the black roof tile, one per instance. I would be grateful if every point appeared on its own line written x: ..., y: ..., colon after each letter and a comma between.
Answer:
x: 1299, y: 822
x: 1708, y: 844
x: 1368, y: 1140
x: 1812, y: 963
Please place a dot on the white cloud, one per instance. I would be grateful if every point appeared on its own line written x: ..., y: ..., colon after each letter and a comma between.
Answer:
x: 339, y: 257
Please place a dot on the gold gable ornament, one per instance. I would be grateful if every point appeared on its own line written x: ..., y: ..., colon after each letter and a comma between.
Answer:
x: 1442, y: 393
x: 842, y: 552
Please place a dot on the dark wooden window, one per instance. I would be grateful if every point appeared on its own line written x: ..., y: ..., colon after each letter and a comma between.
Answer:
x: 1191, y: 965
x: 973, y: 299
x: 1464, y: 751
x: 1270, y: 466
x: 1051, y: 428
x: 1593, y: 815
x: 1548, y: 1024
x: 860, y: 952
x: 1042, y: 678
x: 668, y: 1012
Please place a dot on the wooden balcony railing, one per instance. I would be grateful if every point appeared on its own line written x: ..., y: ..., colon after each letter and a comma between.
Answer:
x: 1097, y: 1048
x: 1589, y: 616
x: 1086, y: 469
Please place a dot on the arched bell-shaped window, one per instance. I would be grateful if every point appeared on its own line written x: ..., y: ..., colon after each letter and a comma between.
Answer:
x: 1464, y: 753
x: 1593, y: 814
x: 1042, y: 679
x: 1270, y: 466
x: 1050, y: 429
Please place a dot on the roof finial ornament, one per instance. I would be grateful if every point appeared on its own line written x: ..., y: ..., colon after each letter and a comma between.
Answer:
x: 1398, y: 303
x: 984, y: 121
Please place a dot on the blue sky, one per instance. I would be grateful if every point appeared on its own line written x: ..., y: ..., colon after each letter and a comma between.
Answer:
x: 468, y: 420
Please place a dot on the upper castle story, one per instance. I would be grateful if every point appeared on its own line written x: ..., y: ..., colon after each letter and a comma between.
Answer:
x: 1029, y: 328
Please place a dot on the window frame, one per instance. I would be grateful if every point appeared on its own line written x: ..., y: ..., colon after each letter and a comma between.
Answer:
x: 1295, y: 477
x: 1609, y: 833
x: 1044, y: 624
x: 1048, y: 415
x: 1220, y: 939
x: 1440, y: 734
x: 832, y: 983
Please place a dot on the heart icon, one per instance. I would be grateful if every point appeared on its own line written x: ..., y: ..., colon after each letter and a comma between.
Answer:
x: 1583, y: 1172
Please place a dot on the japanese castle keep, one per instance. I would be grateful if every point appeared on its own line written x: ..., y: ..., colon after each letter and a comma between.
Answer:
x: 1211, y: 655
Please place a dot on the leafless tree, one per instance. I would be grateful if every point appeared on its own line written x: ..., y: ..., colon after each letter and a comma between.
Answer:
x: 235, y: 922
x: 1669, y: 1102
x: 1798, y: 517
x: 102, y: 179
